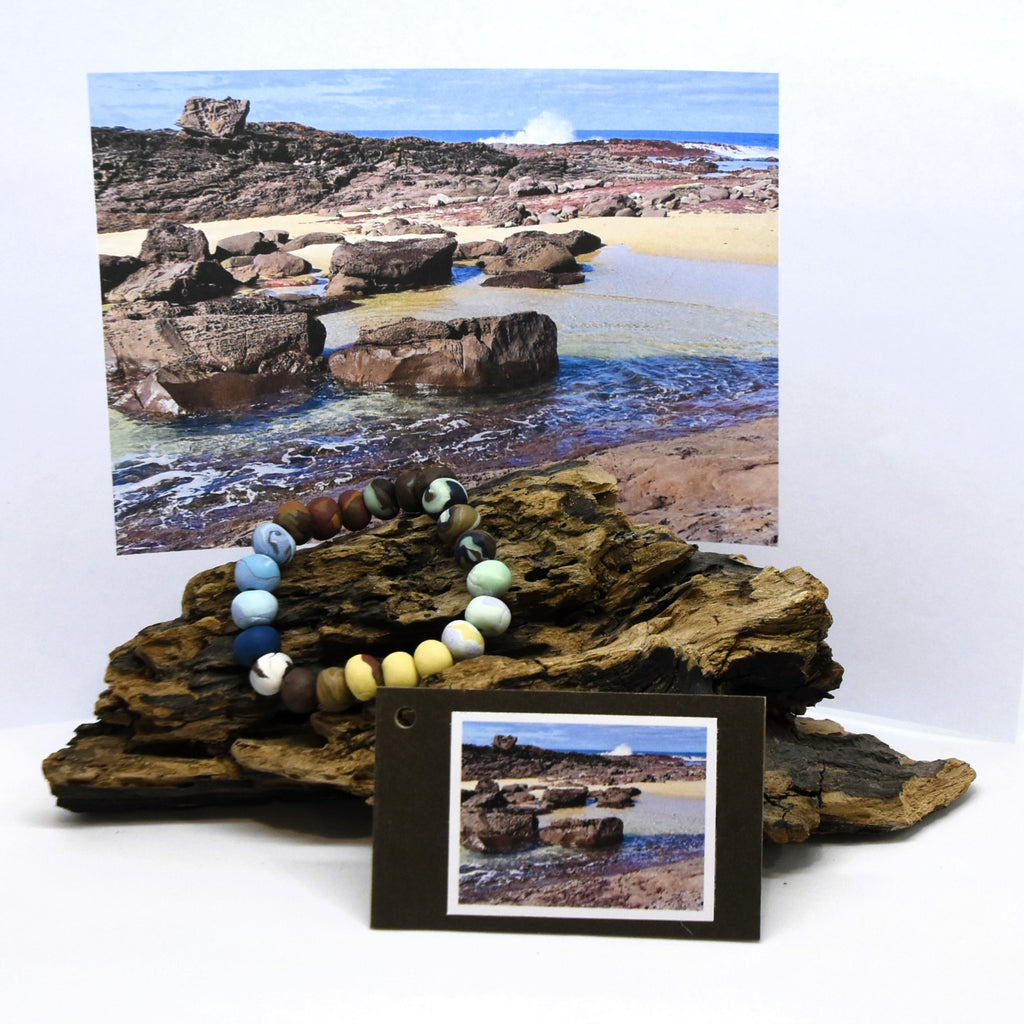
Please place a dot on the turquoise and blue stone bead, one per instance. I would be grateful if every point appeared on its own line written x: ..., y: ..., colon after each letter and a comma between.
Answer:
x: 254, y: 608
x: 275, y: 542
x: 252, y: 643
x: 257, y: 572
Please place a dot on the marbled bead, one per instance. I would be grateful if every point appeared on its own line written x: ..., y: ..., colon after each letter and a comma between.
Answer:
x: 463, y: 639
x: 354, y: 513
x: 325, y: 517
x: 473, y: 547
x: 274, y: 541
x: 380, y: 499
x: 332, y: 692
x: 489, y: 614
x: 489, y: 577
x: 456, y: 520
x: 442, y: 493
x: 294, y: 517
x: 399, y: 669
x: 363, y: 676
x: 257, y: 572
x: 298, y: 691
x: 266, y: 676
x: 253, y: 608
x: 432, y: 657
x: 252, y: 643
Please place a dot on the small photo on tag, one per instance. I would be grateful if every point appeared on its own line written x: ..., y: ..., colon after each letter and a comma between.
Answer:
x: 608, y: 813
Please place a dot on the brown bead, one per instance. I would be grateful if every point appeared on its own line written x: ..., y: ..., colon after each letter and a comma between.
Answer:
x: 295, y: 518
x: 431, y: 472
x: 354, y: 513
x: 325, y: 516
x: 380, y: 498
x: 298, y: 691
x: 407, y: 490
x: 456, y: 520
x: 332, y: 693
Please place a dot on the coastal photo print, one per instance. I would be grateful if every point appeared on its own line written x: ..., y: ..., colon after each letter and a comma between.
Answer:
x: 312, y: 279
x: 585, y: 816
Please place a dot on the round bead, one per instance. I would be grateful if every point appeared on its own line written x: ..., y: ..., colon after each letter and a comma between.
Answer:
x: 463, y: 639
x: 253, y: 608
x: 257, y: 572
x: 432, y: 657
x: 380, y: 498
x: 408, y: 492
x: 267, y: 674
x: 456, y: 520
x: 298, y: 691
x: 274, y: 541
x: 473, y: 547
x: 399, y: 669
x: 489, y: 577
x: 325, y: 518
x: 332, y: 692
x: 443, y: 493
x: 252, y: 643
x: 363, y: 676
x: 489, y: 614
x: 428, y: 473
x: 354, y: 513
x: 294, y: 517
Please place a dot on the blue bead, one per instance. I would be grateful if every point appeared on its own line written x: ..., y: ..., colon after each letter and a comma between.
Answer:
x: 275, y: 542
x: 252, y: 643
x: 254, y: 608
x: 257, y: 572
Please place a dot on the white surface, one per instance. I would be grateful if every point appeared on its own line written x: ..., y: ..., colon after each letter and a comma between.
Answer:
x: 216, y: 916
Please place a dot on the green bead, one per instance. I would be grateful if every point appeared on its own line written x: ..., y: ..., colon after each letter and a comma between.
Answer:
x: 489, y: 614
x: 489, y: 577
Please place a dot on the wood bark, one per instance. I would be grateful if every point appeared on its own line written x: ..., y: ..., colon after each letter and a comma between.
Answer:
x: 599, y: 603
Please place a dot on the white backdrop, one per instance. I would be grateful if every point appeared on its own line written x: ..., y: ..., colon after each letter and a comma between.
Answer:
x: 901, y: 145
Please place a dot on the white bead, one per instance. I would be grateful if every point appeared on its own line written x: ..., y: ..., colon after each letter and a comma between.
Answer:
x: 270, y: 669
x: 489, y: 614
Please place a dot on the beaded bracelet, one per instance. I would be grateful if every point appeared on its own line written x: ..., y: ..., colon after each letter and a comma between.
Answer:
x: 432, y: 490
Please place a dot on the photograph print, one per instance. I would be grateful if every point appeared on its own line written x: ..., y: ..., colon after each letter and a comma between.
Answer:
x: 311, y: 279
x: 582, y: 816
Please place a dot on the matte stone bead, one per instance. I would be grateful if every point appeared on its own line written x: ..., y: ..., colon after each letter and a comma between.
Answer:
x: 257, y: 572
x: 298, y: 691
x: 325, y: 518
x: 274, y: 541
x: 463, y: 639
x: 473, y: 547
x: 489, y: 577
x: 453, y: 522
x: 363, y: 675
x: 253, y: 608
x: 294, y: 517
x: 489, y: 614
x: 442, y: 493
x: 399, y: 669
x: 354, y: 513
x: 266, y: 676
x: 432, y: 657
x: 380, y: 498
x: 428, y: 473
x: 408, y: 492
x: 252, y: 643
x: 332, y: 692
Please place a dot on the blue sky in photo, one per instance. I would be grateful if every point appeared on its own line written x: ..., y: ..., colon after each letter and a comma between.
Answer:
x: 618, y: 736
x: 451, y: 99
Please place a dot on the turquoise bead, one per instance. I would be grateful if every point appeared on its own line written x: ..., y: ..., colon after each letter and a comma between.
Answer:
x: 489, y: 577
x: 489, y: 614
x: 253, y: 608
x: 275, y: 542
x: 257, y: 572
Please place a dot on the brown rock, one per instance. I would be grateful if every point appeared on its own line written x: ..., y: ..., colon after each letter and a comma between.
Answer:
x: 220, y: 119
x: 170, y: 242
x: 281, y: 264
x: 498, y: 831
x: 563, y: 796
x: 394, y: 266
x: 174, y: 282
x: 532, y: 250
x: 583, y: 832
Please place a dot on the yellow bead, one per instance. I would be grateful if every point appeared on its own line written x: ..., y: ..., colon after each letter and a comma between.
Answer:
x: 363, y: 675
x: 432, y: 656
x: 399, y: 669
x: 332, y: 692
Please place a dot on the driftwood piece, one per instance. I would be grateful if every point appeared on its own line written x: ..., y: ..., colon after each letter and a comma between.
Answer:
x: 599, y: 603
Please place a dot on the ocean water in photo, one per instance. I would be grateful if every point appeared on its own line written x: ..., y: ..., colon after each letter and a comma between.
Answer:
x: 650, y: 347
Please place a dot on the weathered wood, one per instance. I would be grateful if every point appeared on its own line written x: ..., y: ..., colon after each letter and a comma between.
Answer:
x: 599, y: 603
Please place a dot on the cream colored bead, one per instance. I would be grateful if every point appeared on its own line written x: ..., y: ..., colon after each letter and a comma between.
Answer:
x: 266, y: 675
x: 363, y: 676
x: 399, y: 669
x: 432, y: 657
